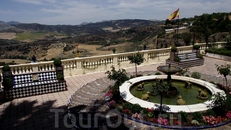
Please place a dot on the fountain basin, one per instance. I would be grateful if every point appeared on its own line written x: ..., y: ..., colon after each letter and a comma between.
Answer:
x: 125, y: 90
x: 168, y: 69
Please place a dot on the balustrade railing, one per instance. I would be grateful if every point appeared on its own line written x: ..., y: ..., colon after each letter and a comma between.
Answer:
x: 75, y: 66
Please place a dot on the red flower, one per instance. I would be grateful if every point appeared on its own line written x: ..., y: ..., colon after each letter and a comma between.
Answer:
x: 126, y: 111
x: 152, y: 120
x: 150, y: 109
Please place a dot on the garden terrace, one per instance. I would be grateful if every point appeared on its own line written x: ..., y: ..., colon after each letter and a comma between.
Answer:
x: 38, y: 112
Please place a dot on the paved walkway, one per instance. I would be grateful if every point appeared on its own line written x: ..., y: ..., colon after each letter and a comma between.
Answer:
x: 49, y: 111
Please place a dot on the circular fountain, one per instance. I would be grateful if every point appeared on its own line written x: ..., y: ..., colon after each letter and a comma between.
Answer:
x: 125, y: 90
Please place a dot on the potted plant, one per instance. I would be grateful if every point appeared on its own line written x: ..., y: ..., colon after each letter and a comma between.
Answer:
x: 196, y: 48
x: 8, y: 79
x: 174, y: 49
x: 58, y: 69
x: 6, y: 70
x: 173, y: 53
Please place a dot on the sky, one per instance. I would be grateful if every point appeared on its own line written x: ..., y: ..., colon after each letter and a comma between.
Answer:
x: 75, y: 12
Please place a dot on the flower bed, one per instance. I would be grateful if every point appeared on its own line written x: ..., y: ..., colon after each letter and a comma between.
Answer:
x: 152, y: 116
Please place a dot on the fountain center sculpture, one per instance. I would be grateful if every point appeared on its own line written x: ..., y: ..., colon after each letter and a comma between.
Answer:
x: 170, y: 70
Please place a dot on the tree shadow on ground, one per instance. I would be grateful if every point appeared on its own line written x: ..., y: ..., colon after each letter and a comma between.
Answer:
x: 95, y: 118
x: 31, y: 115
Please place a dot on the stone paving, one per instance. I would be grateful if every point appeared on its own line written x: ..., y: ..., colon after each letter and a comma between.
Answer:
x: 49, y: 111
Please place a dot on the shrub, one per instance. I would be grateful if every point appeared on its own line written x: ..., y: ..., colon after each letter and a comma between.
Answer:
x: 219, y: 104
x: 196, y: 75
x: 173, y: 49
x: 119, y: 76
x: 119, y: 108
x: 196, y: 47
x: 184, y: 116
x: 200, y: 56
x: 136, y: 108
x: 198, y: 116
x: 177, y: 58
x: 127, y: 105
x: 221, y: 51
x: 157, y: 73
x: 144, y: 110
x: 57, y: 62
x: 210, y: 112
x: 212, y: 82
x: 6, y: 68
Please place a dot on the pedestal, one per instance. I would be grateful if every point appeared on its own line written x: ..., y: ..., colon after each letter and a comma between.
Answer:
x: 34, y: 69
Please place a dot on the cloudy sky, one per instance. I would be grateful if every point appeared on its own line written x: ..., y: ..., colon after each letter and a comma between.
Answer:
x: 74, y: 12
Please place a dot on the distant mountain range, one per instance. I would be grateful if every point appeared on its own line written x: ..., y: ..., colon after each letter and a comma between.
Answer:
x: 82, y: 29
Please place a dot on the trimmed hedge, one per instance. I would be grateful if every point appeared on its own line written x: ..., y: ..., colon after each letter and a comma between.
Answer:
x: 220, y: 51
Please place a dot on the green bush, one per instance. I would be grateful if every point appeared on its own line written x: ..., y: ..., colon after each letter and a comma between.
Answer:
x: 219, y: 104
x: 57, y: 62
x: 198, y: 116
x: 157, y: 73
x: 127, y: 105
x: 119, y: 108
x: 6, y: 68
x: 210, y: 112
x: 220, y: 51
x: 196, y: 47
x: 144, y: 110
x: 212, y: 82
x: 177, y: 58
x: 196, y: 75
x: 200, y: 56
x: 136, y: 108
x: 173, y: 49
x: 184, y: 116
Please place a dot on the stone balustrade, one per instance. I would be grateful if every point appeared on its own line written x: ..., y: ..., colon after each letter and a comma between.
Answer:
x: 102, y: 63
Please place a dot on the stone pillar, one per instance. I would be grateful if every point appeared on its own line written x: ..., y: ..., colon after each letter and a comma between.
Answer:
x: 115, y: 60
x: 173, y: 55
x: 146, y: 56
x: 35, y: 72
